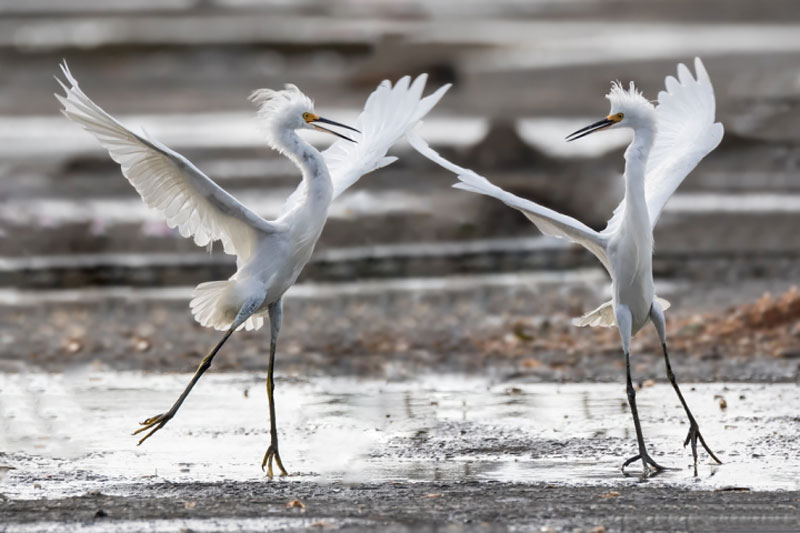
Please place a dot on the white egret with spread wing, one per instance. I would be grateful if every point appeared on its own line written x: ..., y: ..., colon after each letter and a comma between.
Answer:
x: 669, y: 140
x: 270, y: 254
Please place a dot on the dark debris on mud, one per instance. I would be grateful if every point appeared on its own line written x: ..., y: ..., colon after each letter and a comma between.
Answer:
x: 465, y: 439
x: 513, y: 333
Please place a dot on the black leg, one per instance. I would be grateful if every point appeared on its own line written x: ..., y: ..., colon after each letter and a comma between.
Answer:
x: 154, y: 423
x: 647, y: 461
x: 275, y: 317
x: 694, y: 430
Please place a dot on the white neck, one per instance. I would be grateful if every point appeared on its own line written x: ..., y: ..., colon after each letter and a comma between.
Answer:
x: 316, y: 178
x: 635, y: 161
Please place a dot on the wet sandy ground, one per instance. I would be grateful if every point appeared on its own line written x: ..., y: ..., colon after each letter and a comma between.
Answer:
x: 465, y: 451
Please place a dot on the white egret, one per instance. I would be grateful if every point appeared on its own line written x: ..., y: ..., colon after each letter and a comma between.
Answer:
x: 270, y: 254
x: 669, y: 140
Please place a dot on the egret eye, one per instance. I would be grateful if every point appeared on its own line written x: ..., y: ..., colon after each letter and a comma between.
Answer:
x: 310, y: 117
x: 620, y: 116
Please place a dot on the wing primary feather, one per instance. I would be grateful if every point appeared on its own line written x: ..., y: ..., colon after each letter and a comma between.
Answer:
x: 389, y: 113
x: 686, y: 133
x: 548, y: 221
x: 167, y: 181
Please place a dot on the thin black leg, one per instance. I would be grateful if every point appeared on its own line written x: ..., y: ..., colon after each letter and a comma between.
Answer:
x: 694, y: 430
x: 647, y: 461
x: 154, y: 423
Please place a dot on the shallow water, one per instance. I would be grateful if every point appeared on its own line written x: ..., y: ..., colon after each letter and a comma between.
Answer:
x: 70, y: 434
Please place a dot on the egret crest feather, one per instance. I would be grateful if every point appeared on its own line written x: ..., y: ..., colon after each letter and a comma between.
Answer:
x: 282, y: 108
x: 628, y: 101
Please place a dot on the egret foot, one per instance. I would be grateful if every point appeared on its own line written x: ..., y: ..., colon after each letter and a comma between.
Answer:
x: 647, y: 462
x: 272, y: 452
x: 692, y: 437
x: 154, y: 423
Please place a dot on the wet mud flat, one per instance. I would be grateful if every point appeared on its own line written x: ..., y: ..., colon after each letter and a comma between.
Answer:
x: 435, y: 453
x: 408, y: 507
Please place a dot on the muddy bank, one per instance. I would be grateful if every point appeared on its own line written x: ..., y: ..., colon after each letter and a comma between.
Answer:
x: 457, y: 507
x: 507, y: 324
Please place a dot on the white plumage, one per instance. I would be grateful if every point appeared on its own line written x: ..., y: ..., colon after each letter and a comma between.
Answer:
x: 166, y: 180
x: 192, y: 202
x: 685, y: 133
x: 270, y: 254
x: 669, y: 140
x: 389, y: 113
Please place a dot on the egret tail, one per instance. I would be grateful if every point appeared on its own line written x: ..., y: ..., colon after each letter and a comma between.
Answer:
x: 245, y: 312
x: 603, y: 316
x: 215, y: 304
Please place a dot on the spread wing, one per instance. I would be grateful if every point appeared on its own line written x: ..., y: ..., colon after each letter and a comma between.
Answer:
x: 167, y: 181
x: 686, y: 133
x: 389, y: 113
x: 548, y: 221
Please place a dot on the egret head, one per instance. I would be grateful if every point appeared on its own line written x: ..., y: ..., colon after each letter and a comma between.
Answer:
x: 290, y: 109
x: 629, y: 109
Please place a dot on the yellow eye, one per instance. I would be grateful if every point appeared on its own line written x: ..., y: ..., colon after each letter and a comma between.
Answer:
x: 310, y: 117
x: 620, y: 116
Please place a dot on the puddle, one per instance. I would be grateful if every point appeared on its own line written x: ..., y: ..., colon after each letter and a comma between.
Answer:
x: 70, y: 434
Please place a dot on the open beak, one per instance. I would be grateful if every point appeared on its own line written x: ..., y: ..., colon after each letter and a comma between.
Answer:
x: 315, y: 122
x: 591, y: 128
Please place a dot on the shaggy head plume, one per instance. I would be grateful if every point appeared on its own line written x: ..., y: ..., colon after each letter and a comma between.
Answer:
x: 631, y: 102
x: 281, y: 109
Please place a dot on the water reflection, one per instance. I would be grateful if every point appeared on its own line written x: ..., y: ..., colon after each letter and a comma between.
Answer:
x: 69, y: 434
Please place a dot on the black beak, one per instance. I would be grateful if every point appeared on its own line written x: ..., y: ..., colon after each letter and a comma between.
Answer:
x: 332, y: 123
x: 591, y: 128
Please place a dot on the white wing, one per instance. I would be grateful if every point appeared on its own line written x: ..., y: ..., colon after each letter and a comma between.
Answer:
x: 167, y: 181
x: 686, y: 133
x: 548, y: 221
x: 388, y: 114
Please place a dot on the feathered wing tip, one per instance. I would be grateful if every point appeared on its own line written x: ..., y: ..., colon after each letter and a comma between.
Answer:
x: 700, y: 70
x: 67, y: 74
x: 73, y: 93
x: 391, y: 111
x: 686, y: 79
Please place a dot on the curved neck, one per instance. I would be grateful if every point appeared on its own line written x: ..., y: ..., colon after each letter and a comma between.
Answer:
x: 635, y: 160
x: 316, y: 178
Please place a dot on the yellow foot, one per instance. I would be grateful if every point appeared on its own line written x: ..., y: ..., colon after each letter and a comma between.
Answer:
x: 272, y: 452
x: 154, y: 423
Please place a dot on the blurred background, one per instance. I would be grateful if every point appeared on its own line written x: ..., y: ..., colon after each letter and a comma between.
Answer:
x: 409, y: 275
